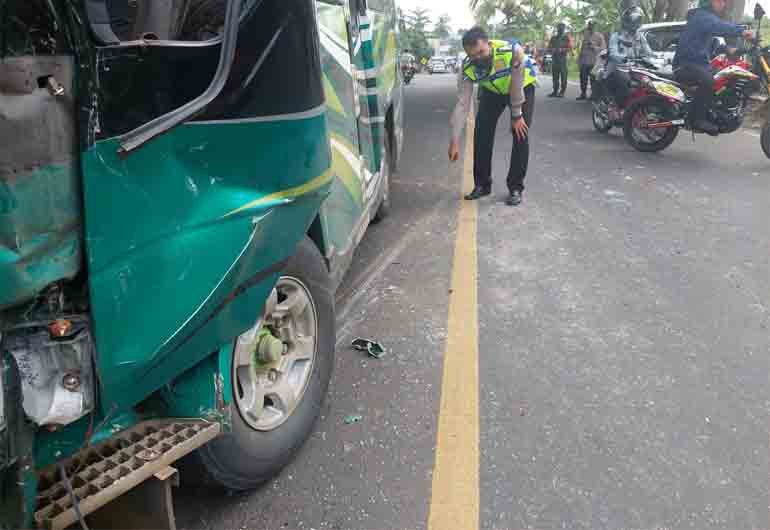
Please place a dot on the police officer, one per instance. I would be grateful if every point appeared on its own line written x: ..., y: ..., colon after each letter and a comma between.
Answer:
x: 507, y: 78
x: 560, y: 46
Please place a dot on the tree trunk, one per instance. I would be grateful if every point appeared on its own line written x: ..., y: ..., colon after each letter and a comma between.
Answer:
x: 677, y: 10
x: 659, y: 14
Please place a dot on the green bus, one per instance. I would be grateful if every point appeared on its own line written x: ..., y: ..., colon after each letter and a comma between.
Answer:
x: 183, y: 184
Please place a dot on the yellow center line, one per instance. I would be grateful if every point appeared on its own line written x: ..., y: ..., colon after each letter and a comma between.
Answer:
x: 455, y: 494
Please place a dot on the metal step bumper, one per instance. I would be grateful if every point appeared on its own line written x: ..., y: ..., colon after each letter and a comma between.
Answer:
x: 101, y: 473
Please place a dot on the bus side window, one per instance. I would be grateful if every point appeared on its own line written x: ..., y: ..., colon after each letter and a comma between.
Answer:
x: 353, y: 22
x: 182, y: 20
x: 28, y: 27
x: 357, y: 7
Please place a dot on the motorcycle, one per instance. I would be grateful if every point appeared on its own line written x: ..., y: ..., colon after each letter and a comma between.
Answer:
x: 408, y: 67
x: 608, y: 111
x: 407, y: 72
x: 661, y: 106
x: 547, y: 63
x: 761, y: 64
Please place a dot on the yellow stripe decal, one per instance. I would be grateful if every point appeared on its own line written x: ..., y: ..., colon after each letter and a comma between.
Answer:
x: 455, y: 495
x: 288, y: 194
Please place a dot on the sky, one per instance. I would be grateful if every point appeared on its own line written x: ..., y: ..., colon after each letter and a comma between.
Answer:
x: 458, y: 10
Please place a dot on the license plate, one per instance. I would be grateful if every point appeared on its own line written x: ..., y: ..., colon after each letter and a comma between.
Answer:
x: 668, y: 90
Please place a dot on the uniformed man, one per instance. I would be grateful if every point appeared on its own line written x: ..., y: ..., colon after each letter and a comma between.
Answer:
x: 560, y: 47
x: 506, y: 78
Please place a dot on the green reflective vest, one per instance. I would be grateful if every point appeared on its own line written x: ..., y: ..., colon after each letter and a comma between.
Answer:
x: 498, y: 79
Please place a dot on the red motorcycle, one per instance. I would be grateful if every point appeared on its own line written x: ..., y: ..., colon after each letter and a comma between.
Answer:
x: 662, y: 107
x: 609, y: 107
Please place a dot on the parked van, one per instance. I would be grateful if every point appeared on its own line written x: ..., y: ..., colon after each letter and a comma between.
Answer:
x: 182, y: 187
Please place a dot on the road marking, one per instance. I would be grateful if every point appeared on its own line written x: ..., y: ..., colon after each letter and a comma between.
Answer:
x: 455, y: 494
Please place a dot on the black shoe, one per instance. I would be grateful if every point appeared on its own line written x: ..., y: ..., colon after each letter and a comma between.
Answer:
x: 561, y: 94
x: 581, y: 97
x: 553, y: 95
x: 514, y: 199
x: 477, y: 193
x: 706, y: 127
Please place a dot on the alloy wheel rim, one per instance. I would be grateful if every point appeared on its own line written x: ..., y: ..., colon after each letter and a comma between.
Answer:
x: 268, y: 392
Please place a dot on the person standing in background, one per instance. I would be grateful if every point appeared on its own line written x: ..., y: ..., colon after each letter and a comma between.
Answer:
x: 593, y: 43
x: 560, y: 46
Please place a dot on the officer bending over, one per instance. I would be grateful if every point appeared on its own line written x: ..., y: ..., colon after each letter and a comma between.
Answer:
x: 506, y: 77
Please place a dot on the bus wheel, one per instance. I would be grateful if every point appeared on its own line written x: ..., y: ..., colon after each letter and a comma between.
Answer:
x: 384, y: 208
x: 279, y: 390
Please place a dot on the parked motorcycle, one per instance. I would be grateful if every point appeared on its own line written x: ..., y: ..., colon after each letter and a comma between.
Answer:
x: 662, y: 107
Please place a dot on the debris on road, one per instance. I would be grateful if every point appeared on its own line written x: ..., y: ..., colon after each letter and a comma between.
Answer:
x: 353, y: 418
x: 373, y: 348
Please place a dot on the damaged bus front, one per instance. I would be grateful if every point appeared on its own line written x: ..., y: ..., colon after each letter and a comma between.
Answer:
x: 164, y: 292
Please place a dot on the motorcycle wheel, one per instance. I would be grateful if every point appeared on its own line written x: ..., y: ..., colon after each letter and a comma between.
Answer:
x: 601, y: 118
x: 765, y: 138
x: 647, y: 140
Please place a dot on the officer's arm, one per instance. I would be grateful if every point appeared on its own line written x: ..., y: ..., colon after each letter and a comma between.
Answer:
x: 517, y: 83
x: 462, y: 107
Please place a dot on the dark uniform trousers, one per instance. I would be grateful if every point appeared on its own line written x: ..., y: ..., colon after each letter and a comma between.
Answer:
x: 491, y: 105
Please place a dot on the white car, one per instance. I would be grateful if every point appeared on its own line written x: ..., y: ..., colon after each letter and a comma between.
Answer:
x: 437, y: 66
x: 662, y: 39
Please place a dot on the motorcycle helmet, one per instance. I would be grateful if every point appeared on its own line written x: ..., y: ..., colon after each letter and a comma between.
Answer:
x: 631, y: 19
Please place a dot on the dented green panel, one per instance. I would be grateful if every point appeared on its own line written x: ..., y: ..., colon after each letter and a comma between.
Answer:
x: 186, y: 237
x: 39, y: 231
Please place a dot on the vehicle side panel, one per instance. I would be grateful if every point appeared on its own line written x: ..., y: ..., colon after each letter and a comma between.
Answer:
x: 186, y: 236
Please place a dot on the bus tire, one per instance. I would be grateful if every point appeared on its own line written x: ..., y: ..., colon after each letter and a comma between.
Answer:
x: 383, y: 209
x: 245, y: 457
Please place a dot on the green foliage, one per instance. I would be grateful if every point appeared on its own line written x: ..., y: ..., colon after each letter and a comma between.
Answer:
x: 525, y: 20
x: 441, y: 29
x: 414, y: 33
x: 604, y: 13
x: 531, y: 20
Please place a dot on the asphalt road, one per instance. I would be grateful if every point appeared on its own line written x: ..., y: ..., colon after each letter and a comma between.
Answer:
x: 623, y: 347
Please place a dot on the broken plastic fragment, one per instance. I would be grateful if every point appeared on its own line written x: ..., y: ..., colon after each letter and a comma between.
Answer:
x: 353, y: 418
x: 373, y: 348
